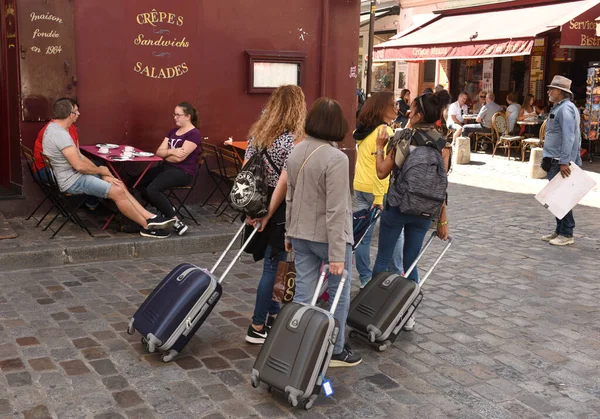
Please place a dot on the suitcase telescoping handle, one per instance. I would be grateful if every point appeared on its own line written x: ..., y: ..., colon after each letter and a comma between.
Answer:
x: 340, y: 289
x: 239, y: 253
x: 430, y: 270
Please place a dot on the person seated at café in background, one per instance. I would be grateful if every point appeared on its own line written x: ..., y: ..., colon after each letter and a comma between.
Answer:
x: 77, y: 175
x: 512, y: 111
x: 403, y: 108
x: 40, y: 169
x: 479, y: 103
x: 484, y: 117
x: 528, y: 112
x: 180, y: 150
x: 455, y: 115
x: 438, y: 88
x: 428, y: 91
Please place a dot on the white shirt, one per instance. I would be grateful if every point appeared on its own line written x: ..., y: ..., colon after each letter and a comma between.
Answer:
x: 514, y: 109
x: 455, y: 109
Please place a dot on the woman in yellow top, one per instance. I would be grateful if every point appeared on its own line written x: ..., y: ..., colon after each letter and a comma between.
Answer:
x: 369, y: 191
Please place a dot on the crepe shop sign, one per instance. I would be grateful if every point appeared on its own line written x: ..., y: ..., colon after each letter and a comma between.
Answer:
x: 158, y: 42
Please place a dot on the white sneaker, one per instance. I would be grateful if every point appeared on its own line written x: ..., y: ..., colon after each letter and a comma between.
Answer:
x: 562, y: 241
x: 549, y: 237
x: 410, y: 324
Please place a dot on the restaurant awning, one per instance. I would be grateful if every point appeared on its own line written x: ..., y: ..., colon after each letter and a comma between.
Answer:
x: 501, y: 33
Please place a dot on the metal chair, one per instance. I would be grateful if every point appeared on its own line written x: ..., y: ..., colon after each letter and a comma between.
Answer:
x: 67, y: 204
x: 30, y: 160
x: 211, y: 160
x: 230, y: 167
x: 500, y: 129
x: 529, y: 143
x: 186, y: 190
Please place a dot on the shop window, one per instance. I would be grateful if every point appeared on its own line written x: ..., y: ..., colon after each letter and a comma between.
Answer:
x: 383, y: 76
x: 267, y: 70
x: 429, y: 71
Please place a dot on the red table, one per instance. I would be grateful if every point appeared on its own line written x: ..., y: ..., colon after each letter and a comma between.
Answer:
x: 116, y: 152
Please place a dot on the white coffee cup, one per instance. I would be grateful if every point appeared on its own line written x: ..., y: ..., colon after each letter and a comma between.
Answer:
x: 129, y: 148
x: 127, y: 154
x: 103, y: 150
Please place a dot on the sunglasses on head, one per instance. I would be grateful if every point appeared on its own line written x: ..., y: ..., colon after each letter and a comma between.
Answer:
x: 481, y: 97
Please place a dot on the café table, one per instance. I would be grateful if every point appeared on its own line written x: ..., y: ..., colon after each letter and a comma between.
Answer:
x: 470, y: 116
x: 529, y: 124
x: 237, y: 145
x: 113, y: 156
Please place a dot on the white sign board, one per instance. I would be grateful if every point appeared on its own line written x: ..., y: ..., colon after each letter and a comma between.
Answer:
x: 560, y: 195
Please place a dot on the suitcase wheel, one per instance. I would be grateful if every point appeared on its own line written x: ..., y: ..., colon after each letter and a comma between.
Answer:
x: 256, y: 382
x: 169, y: 356
x: 382, y: 348
x: 293, y: 400
x: 308, y: 404
x: 130, y: 328
x: 352, y: 334
x: 144, y: 341
x: 270, y: 389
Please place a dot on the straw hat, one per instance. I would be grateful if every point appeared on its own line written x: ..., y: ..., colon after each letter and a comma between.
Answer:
x: 562, y: 83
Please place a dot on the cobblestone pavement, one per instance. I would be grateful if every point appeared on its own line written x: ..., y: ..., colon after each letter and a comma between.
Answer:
x: 508, y: 329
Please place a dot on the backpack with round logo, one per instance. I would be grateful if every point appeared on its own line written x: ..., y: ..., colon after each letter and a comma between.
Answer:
x: 250, y: 191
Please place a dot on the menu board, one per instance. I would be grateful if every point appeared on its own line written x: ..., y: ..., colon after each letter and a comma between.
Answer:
x: 536, y: 73
x: 591, y: 114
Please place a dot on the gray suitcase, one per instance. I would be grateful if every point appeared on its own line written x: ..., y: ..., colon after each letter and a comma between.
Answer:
x: 297, y: 351
x: 384, y: 305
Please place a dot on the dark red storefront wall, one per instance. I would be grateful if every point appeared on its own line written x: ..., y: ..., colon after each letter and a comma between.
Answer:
x: 122, y: 102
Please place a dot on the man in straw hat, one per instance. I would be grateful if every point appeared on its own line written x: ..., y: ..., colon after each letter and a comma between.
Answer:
x: 562, y: 144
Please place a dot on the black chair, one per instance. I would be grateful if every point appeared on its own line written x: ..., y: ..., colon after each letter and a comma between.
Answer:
x: 30, y: 160
x: 67, y: 204
x: 186, y: 191
x: 230, y: 167
x: 211, y: 160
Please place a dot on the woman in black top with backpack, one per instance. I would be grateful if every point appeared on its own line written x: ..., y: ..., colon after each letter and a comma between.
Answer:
x: 402, y: 212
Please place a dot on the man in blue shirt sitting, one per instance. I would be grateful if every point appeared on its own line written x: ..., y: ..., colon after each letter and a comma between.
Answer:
x: 562, y: 144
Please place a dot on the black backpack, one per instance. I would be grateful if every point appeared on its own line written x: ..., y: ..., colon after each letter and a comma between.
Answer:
x: 250, y: 191
x: 419, y: 187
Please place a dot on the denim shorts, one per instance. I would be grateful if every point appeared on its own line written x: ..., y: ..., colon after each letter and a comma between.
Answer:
x: 90, y: 185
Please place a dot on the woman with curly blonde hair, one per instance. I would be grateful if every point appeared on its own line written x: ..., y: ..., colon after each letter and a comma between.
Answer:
x: 280, y: 126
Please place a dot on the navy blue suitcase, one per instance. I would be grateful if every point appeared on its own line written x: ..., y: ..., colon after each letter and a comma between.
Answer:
x: 178, y: 306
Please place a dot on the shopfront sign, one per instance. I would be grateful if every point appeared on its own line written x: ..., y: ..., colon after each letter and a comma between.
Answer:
x: 580, y: 32
x: 479, y: 50
x: 160, y: 39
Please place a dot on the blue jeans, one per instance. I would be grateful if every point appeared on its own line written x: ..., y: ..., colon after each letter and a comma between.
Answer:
x: 565, y: 226
x: 309, y: 257
x: 264, y: 292
x: 363, y: 251
x: 392, y: 224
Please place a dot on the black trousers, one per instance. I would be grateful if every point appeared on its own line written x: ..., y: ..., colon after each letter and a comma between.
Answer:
x: 157, y: 180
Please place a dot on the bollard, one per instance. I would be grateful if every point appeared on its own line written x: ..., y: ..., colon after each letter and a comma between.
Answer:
x: 462, y: 150
x: 535, y: 160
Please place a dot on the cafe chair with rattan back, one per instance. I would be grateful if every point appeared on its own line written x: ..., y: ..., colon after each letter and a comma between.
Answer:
x: 503, y: 139
x: 529, y: 143
x: 449, y: 131
x: 483, y: 138
x: 66, y: 204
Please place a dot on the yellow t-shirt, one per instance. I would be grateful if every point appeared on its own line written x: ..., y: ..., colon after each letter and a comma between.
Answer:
x: 365, y: 177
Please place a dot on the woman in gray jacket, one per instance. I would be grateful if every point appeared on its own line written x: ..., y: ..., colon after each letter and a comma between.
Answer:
x: 319, y: 213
